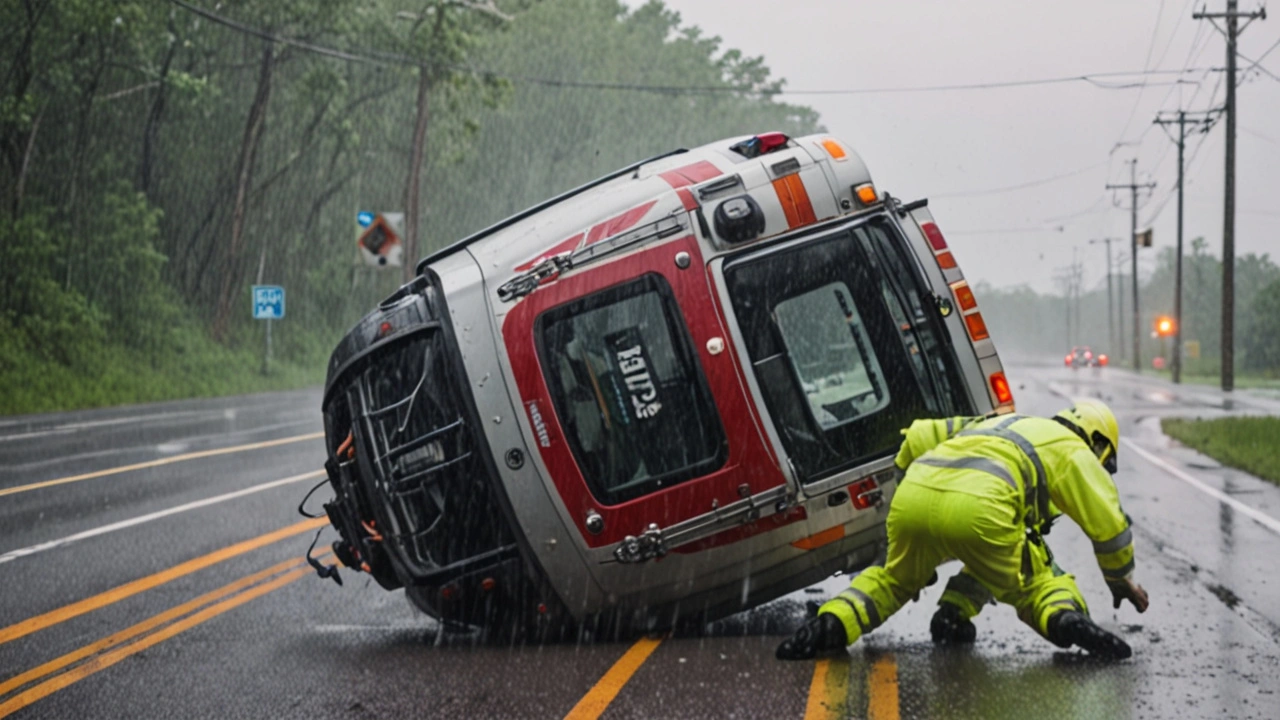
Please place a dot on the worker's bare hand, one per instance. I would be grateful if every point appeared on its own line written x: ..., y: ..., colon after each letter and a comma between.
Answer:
x: 1127, y: 589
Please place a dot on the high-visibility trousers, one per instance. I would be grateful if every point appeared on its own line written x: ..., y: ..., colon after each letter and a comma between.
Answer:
x: 927, y: 527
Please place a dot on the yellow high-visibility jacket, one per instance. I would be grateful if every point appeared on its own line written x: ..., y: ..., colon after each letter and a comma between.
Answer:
x: 1049, y: 466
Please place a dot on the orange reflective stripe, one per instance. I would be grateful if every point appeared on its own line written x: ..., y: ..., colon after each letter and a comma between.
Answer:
x: 795, y: 200
x: 826, y: 537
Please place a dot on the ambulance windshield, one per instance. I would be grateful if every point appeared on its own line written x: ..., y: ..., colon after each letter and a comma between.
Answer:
x: 842, y: 348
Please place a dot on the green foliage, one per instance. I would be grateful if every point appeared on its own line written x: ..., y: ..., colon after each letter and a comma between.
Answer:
x: 124, y: 130
x: 1024, y: 321
x: 1262, y: 332
x: 1246, y: 443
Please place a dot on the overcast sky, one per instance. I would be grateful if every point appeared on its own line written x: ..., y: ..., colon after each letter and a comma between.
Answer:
x: 938, y: 144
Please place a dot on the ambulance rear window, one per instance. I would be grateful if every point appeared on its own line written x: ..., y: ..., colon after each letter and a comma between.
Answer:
x: 628, y: 390
x: 834, y: 347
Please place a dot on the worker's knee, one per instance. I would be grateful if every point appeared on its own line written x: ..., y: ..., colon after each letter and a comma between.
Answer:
x: 966, y: 594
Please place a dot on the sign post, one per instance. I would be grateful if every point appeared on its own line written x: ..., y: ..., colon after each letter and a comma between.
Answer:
x: 268, y: 304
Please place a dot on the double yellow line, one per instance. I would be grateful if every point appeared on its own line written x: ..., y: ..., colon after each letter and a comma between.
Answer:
x: 112, y: 649
x: 828, y: 690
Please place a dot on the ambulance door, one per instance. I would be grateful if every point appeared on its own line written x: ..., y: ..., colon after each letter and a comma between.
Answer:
x: 634, y: 399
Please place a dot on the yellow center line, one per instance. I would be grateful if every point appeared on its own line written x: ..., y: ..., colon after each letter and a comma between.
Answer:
x: 115, y: 639
x: 828, y: 690
x: 161, y: 461
x: 882, y: 689
x: 106, y: 660
x: 593, y: 704
x: 129, y: 589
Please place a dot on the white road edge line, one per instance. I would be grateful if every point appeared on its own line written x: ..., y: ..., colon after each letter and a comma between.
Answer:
x: 1267, y: 521
x: 33, y: 549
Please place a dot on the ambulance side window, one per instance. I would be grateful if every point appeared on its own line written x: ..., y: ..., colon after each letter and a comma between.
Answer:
x: 628, y: 390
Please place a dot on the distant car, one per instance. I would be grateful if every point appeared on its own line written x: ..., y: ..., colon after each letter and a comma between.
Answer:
x: 1084, y: 356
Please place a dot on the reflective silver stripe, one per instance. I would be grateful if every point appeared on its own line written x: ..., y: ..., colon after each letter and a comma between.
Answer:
x: 1115, y: 544
x: 1118, y: 573
x: 1037, y: 493
x: 1008, y: 421
x: 951, y: 427
x: 857, y: 618
x: 873, y: 614
x: 990, y: 467
x: 968, y: 586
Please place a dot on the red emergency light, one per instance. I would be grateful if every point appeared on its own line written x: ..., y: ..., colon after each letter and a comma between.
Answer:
x: 1000, y: 386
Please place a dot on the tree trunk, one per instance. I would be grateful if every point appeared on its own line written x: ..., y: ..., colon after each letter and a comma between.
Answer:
x: 244, y: 174
x: 22, y: 73
x: 152, y: 129
x: 26, y: 165
x: 411, y: 207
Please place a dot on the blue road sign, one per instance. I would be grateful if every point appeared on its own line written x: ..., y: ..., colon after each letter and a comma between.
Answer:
x: 268, y: 302
x: 364, y: 218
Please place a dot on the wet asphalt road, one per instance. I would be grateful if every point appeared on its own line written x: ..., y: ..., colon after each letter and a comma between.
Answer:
x: 175, y: 589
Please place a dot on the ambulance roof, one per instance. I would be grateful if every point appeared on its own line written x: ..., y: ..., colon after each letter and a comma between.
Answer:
x: 639, y: 193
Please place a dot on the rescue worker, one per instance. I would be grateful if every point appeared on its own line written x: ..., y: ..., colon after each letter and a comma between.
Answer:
x: 984, y: 491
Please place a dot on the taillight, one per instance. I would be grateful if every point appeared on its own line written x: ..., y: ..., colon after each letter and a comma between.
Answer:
x: 964, y: 296
x: 1102, y: 359
x: 1067, y: 360
x: 865, y: 493
x: 1000, y: 386
x: 977, y: 327
x: 934, y: 235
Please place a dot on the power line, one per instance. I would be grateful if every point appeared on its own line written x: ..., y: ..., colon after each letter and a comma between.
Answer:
x: 1151, y: 46
x: 1022, y: 186
x: 1006, y: 231
x: 374, y: 57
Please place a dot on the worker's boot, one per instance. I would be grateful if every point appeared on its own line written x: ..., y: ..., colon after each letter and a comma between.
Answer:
x: 819, y: 636
x: 950, y: 627
x: 1069, y: 628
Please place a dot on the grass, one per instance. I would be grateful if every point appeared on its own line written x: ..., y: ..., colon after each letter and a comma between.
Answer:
x: 1242, y: 381
x: 1246, y: 443
x: 197, y: 367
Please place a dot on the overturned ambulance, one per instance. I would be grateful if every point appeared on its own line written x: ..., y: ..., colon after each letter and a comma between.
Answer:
x: 670, y: 394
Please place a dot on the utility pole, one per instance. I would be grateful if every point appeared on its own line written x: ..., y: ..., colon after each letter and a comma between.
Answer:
x: 1232, y: 15
x: 1133, y: 188
x: 1111, y: 318
x: 1204, y: 124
